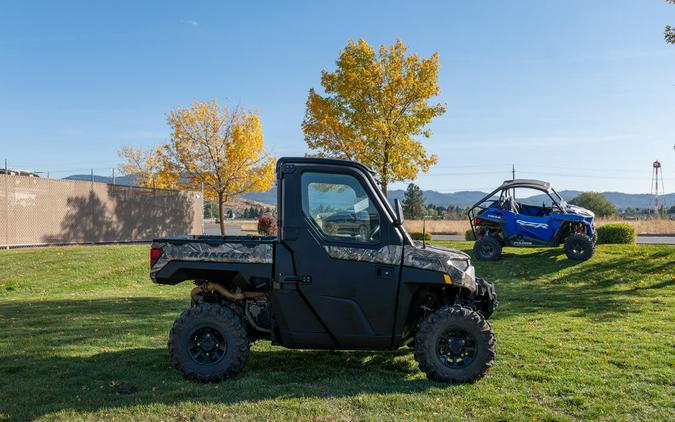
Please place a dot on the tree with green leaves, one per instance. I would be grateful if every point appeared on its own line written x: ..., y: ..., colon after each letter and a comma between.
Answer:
x: 595, y: 202
x: 413, y: 203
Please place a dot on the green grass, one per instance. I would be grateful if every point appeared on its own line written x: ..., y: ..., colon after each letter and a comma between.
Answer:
x: 84, y: 337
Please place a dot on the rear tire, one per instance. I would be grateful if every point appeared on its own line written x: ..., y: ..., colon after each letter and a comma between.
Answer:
x: 208, y: 343
x: 579, y: 247
x: 455, y: 345
x: 487, y: 248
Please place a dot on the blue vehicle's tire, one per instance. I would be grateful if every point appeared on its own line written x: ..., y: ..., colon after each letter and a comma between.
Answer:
x: 455, y: 344
x: 487, y: 248
x: 208, y: 343
x: 579, y: 247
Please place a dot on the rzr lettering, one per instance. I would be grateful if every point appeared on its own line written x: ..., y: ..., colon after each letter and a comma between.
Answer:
x: 532, y: 224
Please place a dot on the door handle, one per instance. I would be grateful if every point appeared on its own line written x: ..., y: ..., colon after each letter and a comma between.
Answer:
x: 385, y: 272
x: 296, y: 279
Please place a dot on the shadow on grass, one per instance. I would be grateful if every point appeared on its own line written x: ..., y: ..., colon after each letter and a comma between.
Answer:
x: 49, y: 362
x: 604, y: 287
x: 35, y: 387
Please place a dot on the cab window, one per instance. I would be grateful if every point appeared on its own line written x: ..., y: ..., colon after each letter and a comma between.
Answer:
x: 339, y: 207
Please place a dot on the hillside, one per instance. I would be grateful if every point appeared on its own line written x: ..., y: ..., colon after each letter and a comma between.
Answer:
x: 121, y: 180
x: 465, y: 199
x: 460, y: 199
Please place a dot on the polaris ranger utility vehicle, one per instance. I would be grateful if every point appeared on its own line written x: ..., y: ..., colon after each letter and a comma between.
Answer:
x: 502, y: 220
x: 322, y: 286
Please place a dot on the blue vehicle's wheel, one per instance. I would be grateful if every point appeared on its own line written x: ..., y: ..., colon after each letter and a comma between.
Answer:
x: 487, y: 248
x: 579, y: 247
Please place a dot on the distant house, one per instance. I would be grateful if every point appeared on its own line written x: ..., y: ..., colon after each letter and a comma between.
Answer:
x: 19, y: 172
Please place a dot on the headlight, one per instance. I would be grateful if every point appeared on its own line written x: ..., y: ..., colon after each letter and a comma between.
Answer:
x: 469, y: 278
x: 459, y: 264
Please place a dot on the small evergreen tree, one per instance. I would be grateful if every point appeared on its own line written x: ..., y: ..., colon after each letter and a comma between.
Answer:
x: 413, y: 203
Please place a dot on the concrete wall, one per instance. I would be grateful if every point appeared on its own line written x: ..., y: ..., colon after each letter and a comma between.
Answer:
x: 37, y: 211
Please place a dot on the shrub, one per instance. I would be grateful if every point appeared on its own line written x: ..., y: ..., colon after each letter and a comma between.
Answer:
x: 468, y: 235
x: 267, y: 225
x: 595, y: 202
x: 616, y: 233
x: 418, y: 236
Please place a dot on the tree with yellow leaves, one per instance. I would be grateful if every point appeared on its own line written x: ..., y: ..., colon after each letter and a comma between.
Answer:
x: 145, y: 165
x: 220, y: 149
x: 376, y: 105
x: 669, y: 32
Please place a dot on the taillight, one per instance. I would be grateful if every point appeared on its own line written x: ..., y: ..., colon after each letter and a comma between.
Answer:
x: 477, y: 221
x: 155, y: 253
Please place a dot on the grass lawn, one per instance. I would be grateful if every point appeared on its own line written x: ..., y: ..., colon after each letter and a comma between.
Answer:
x: 84, y: 337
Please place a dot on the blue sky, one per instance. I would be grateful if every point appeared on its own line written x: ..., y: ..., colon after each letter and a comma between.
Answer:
x: 580, y: 93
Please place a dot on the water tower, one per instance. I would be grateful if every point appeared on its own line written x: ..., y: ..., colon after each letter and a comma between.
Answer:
x: 657, y: 185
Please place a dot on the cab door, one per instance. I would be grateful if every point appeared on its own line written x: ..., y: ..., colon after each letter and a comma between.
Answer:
x: 340, y: 283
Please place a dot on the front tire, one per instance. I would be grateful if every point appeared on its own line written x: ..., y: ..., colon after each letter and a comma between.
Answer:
x: 455, y: 345
x: 487, y: 248
x: 579, y: 247
x: 208, y: 343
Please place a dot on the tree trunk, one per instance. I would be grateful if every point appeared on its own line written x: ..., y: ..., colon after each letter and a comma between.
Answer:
x: 385, y: 167
x: 221, y: 219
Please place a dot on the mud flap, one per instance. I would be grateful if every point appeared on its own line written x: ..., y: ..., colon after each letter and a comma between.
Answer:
x: 486, y: 297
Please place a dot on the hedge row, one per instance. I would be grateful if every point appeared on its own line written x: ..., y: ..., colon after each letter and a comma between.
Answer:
x: 608, y: 233
x: 418, y: 236
x: 616, y: 233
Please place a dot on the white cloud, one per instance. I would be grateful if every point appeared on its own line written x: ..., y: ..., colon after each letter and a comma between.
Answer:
x: 191, y: 22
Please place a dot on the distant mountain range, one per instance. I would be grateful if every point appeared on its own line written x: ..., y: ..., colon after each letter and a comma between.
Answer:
x: 465, y: 199
x: 121, y: 180
x: 460, y: 199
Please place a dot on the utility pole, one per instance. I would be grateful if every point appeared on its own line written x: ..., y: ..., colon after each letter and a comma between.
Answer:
x: 113, y: 175
x: 6, y: 205
x: 513, y: 177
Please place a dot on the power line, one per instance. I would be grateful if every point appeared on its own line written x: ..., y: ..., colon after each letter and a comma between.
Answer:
x: 592, y: 176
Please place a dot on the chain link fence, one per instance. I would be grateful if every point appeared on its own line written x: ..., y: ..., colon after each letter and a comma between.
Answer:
x: 40, y: 211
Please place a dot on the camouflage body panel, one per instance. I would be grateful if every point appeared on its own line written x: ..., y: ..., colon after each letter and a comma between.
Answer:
x: 230, y: 252
x: 447, y: 261
x: 389, y: 254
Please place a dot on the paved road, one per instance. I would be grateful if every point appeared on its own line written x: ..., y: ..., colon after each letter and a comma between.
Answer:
x: 660, y: 240
x: 235, y: 230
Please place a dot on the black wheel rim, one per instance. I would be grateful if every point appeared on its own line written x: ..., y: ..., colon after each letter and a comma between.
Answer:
x: 577, y: 248
x: 207, y: 346
x: 456, y: 349
x: 486, y: 249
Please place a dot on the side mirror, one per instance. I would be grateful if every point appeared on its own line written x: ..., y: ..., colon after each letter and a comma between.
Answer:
x: 398, y: 208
